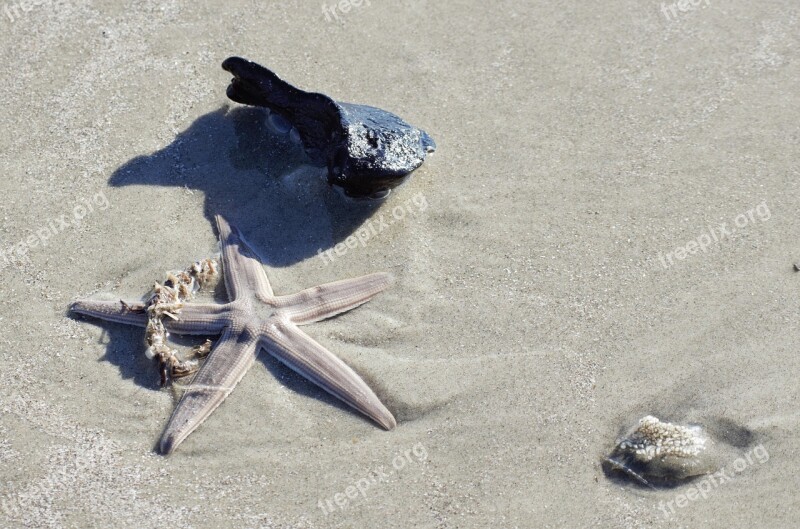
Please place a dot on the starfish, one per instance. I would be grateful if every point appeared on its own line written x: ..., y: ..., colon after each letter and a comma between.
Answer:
x: 255, y: 318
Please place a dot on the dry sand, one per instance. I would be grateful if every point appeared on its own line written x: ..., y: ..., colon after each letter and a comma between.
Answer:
x: 581, y: 147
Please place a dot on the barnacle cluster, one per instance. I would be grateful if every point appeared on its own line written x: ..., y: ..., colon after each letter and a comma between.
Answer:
x: 661, y: 452
x: 167, y: 301
x: 656, y: 439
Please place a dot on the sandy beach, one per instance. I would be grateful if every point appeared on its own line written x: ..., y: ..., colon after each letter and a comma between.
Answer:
x: 607, y: 230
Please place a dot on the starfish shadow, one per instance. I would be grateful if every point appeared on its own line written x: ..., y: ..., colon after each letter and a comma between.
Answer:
x: 256, y: 177
x: 125, y: 349
x: 125, y: 345
x: 299, y: 385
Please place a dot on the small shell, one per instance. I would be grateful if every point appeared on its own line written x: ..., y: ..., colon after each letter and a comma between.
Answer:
x: 663, y: 453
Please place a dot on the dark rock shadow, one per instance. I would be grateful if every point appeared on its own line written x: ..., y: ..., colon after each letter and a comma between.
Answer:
x: 619, y: 473
x: 258, y: 179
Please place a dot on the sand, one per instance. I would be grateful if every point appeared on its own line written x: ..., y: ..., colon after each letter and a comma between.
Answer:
x: 561, y: 266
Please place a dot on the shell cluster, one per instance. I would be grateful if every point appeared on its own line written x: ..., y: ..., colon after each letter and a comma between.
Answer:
x: 167, y: 301
x: 654, y: 439
x: 663, y: 453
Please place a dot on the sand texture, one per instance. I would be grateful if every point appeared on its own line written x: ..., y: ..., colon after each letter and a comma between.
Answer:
x: 606, y: 231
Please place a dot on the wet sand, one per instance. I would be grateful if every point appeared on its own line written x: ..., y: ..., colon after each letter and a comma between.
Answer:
x: 606, y: 231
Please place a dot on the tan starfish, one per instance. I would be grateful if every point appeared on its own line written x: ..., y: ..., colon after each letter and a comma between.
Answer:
x: 254, y: 318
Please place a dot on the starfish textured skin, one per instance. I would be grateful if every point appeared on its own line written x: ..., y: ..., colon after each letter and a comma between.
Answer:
x: 256, y: 318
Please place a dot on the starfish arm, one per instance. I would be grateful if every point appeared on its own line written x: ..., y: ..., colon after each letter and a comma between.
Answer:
x: 128, y: 313
x: 195, y: 318
x: 330, y: 299
x: 226, y: 365
x: 199, y: 318
x: 242, y: 269
x: 302, y: 354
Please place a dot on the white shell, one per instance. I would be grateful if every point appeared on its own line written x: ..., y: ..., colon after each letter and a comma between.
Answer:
x: 664, y: 452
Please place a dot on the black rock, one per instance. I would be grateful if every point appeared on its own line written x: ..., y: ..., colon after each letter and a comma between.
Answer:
x: 367, y: 151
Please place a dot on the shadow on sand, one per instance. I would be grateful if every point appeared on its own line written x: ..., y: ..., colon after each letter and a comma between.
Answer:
x: 258, y: 179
